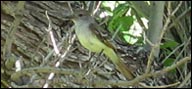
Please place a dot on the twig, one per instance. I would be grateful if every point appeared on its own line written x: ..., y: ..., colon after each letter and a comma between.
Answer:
x: 51, y: 35
x: 12, y: 30
x: 184, y: 48
x: 150, y: 59
x: 100, y: 82
x: 142, y: 77
x: 52, y: 51
x: 147, y: 40
x: 166, y: 23
x: 70, y: 7
x: 179, y: 17
x: 177, y: 8
x: 45, y: 70
x: 163, y: 86
x: 188, y: 77
x: 51, y: 75
x: 172, y: 53
x: 173, y: 66
x: 118, y: 29
x: 97, y: 7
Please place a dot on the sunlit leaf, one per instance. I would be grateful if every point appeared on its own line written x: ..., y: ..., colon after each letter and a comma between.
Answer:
x: 126, y: 22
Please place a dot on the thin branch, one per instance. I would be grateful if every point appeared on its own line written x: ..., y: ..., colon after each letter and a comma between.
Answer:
x: 184, y: 48
x: 13, y: 28
x: 69, y: 4
x: 49, y: 29
x: 163, y: 86
x: 172, y: 52
x: 51, y: 75
x: 166, y: 23
x: 187, y: 78
x: 177, y: 8
x: 97, y: 7
x: 150, y: 59
x: 179, y: 17
x: 118, y: 29
x: 100, y: 82
x: 147, y: 40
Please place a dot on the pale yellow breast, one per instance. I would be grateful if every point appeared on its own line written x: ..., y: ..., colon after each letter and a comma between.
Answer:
x: 88, y: 39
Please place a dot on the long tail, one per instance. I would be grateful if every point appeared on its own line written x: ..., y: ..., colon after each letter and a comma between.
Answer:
x: 118, y: 63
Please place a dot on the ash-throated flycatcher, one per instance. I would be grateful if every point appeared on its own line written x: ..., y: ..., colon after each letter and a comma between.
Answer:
x: 87, y: 31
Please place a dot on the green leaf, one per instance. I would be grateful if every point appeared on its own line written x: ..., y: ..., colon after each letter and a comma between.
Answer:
x: 140, y: 40
x: 118, y: 12
x: 120, y: 8
x: 169, y: 62
x: 129, y: 39
x: 126, y: 22
x: 168, y: 44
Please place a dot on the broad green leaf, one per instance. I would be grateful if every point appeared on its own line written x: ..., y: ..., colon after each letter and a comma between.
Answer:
x: 169, y: 62
x: 126, y: 22
x: 118, y: 12
x: 169, y: 44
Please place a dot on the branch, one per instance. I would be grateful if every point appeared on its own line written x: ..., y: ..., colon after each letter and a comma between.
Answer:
x: 99, y: 82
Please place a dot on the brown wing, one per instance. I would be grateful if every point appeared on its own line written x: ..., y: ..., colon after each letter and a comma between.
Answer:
x: 96, y: 29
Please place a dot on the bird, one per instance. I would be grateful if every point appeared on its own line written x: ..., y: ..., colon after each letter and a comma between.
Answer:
x: 90, y: 37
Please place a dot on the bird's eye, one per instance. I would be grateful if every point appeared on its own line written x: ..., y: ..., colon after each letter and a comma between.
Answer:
x: 80, y: 15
